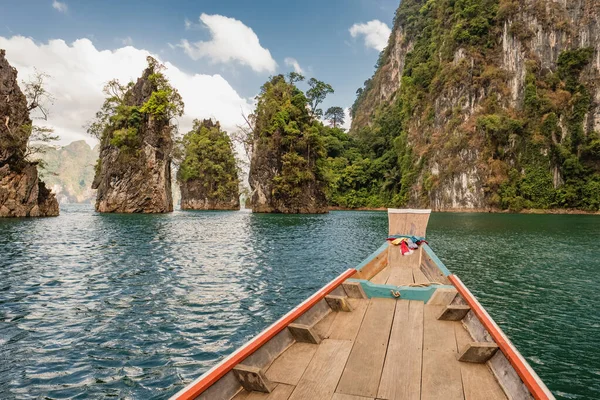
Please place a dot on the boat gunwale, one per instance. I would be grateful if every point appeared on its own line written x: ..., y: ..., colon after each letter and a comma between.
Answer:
x: 532, y: 381
x: 201, y: 384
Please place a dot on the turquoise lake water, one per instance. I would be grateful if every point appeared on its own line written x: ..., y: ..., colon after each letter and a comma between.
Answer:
x: 136, y: 306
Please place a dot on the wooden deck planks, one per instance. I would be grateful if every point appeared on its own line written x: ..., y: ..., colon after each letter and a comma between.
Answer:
x: 322, y: 327
x: 383, y: 349
x: 339, y: 396
x: 281, y: 392
x: 437, y: 335
x: 323, y: 371
x: 478, y: 381
x: 400, y: 277
x: 401, y: 377
x: 419, y: 276
x: 346, y: 324
x: 382, y: 276
x: 289, y: 366
x: 441, y: 376
x: 363, y: 370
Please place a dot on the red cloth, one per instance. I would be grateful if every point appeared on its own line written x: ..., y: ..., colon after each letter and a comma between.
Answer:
x: 404, y: 248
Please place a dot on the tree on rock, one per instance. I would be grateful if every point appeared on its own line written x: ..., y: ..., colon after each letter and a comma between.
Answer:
x: 208, y: 174
x: 287, y: 162
x: 135, y: 128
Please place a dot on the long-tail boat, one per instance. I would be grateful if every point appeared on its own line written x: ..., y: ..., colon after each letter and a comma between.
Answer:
x: 398, y: 326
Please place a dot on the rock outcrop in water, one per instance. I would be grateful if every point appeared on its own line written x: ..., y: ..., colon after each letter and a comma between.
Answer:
x: 284, y: 168
x: 133, y: 173
x: 22, y: 193
x: 208, y: 176
x: 489, y: 104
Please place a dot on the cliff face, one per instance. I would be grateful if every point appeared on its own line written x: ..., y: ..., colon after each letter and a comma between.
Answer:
x: 133, y: 173
x: 22, y: 194
x: 208, y: 176
x: 496, y: 103
x: 194, y: 196
x: 266, y: 168
x: 285, y: 175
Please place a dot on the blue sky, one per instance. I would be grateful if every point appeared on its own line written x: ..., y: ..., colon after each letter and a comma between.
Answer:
x: 315, y: 33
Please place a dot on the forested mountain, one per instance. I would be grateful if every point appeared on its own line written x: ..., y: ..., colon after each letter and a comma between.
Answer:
x: 69, y: 171
x: 483, y: 104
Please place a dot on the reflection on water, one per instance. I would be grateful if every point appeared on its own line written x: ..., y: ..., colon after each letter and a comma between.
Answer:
x: 135, y: 306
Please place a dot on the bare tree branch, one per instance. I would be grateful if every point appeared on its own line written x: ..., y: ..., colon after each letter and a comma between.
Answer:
x: 37, y: 95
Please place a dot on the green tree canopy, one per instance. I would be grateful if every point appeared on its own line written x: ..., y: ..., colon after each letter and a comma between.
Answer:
x: 120, y: 118
x: 208, y: 158
x: 335, y: 116
x: 287, y: 135
x: 316, y: 94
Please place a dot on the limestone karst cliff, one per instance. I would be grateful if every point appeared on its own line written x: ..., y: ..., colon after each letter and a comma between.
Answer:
x: 488, y: 104
x: 133, y: 172
x: 286, y: 172
x: 22, y: 193
x: 208, y: 176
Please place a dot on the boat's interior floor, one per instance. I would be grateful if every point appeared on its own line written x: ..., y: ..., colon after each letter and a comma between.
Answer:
x: 382, y: 349
x: 405, y: 271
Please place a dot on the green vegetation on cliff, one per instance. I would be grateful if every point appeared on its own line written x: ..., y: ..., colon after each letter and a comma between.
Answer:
x: 208, y: 159
x: 136, y: 129
x: 288, y: 160
x: 452, y: 114
x: 122, y: 117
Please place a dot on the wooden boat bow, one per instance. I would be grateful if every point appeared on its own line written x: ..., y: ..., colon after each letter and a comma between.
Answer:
x: 396, y: 326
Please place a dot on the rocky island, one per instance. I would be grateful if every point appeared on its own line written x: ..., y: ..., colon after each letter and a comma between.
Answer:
x: 135, y: 129
x: 208, y: 175
x: 286, y: 171
x: 22, y: 193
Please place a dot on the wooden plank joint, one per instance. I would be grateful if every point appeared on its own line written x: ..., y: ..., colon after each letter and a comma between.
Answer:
x: 338, y: 303
x: 454, y: 312
x: 354, y: 290
x: 478, y: 352
x: 442, y: 297
x: 253, y: 378
x: 304, y: 333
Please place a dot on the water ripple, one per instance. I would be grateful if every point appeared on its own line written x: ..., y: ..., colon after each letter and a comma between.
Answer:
x: 136, y: 306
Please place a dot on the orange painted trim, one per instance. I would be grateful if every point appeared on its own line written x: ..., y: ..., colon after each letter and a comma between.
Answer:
x: 537, y: 389
x: 197, y: 387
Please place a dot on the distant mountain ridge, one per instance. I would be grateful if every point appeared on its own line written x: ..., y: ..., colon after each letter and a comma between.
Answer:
x: 69, y: 171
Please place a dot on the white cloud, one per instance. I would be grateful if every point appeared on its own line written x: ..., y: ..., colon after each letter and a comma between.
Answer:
x: 59, y: 6
x: 347, y: 119
x: 376, y: 33
x: 231, y: 41
x: 292, y: 62
x: 128, y: 41
x: 79, y: 71
x: 188, y: 24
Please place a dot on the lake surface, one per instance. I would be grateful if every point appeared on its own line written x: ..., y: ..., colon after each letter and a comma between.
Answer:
x: 136, y: 306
